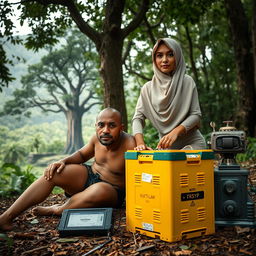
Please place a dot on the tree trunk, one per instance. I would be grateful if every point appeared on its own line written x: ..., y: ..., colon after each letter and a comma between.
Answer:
x: 110, y: 52
x: 74, y: 131
x: 245, y: 66
x: 111, y: 73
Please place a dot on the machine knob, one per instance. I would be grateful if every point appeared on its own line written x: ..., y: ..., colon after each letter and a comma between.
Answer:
x: 230, y: 207
x: 230, y: 186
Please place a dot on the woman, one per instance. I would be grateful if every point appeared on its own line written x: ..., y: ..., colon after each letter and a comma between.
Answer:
x: 169, y: 101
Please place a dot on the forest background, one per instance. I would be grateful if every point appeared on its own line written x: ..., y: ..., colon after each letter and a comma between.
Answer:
x: 81, y: 56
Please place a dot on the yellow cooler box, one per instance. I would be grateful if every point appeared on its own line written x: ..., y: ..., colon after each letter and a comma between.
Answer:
x: 170, y: 193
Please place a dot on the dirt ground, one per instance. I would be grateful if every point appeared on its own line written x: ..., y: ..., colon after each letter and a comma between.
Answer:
x: 35, y: 235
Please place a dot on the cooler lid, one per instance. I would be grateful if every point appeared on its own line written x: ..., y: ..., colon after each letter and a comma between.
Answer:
x: 169, y: 155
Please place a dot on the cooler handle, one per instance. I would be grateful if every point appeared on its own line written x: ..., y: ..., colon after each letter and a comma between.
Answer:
x: 145, y: 158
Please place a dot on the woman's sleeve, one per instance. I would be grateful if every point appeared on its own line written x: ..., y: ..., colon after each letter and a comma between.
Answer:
x: 138, y: 120
x: 193, y: 119
x: 190, y: 122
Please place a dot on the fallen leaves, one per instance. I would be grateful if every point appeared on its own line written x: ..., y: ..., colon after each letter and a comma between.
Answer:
x: 183, y: 253
x: 30, y: 235
x: 39, y: 237
x: 43, y: 239
x: 144, y: 248
x: 30, y: 252
x: 67, y: 240
x: 240, y: 230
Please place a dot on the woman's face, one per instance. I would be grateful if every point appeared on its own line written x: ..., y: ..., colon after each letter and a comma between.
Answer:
x: 164, y: 59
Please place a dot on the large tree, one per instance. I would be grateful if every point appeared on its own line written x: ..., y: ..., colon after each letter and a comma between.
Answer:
x: 106, y: 23
x: 64, y: 81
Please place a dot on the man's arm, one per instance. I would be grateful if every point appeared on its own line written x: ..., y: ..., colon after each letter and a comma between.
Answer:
x: 80, y: 156
x: 131, y: 143
x: 83, y: 154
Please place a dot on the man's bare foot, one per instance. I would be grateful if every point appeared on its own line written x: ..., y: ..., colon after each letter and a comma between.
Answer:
x: 5, y: 224
x: 46, y: 211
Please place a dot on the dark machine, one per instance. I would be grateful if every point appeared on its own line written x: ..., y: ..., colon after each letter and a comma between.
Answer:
x: 233, y: 203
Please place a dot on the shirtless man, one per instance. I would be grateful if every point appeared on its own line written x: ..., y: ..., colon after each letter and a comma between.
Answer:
x: 99, y: 185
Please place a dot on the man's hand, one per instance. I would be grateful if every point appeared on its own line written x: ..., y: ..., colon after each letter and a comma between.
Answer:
x: 142, y: 147
x: 50, y: 169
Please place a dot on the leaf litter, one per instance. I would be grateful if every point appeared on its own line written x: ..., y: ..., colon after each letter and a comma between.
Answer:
x: 39, y: 236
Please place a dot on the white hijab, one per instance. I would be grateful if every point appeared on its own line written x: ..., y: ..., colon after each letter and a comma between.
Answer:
x: 167, y: 101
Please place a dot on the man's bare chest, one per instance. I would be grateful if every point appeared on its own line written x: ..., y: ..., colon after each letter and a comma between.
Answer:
x: 114, y: 161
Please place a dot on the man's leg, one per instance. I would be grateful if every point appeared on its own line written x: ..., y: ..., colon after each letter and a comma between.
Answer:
x: 100, y: 194
x: 71, y: 179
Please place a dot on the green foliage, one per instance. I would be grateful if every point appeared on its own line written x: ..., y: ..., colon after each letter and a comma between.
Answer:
x: 5, y: 75
x: 151, y: 136
x: 36, y: 144
x: 185, y: 13
x: 217, y: 89
x: 46, y: 23
x: 16, y: 144
x: 250, y: 153
x: 56, y: 146
x: 14, y: 180
x: 13, y: 153
x: 6, y: 34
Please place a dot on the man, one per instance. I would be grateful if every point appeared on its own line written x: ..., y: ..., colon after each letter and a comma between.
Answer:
x: 99, y: 185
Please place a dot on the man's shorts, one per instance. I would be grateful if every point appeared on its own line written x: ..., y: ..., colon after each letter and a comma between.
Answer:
x: 95, y: 178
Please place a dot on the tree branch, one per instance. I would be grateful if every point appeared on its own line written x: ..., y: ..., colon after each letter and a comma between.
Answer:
x: 90, y: 106
x: 191, y: 55
x: 137, y: 19
x: 149, y: 31
x: 58, y: 102
x: 130, y: 70
x: 57, y: 83
x: 35, y: 103
x: 86, y: 99
x: 127, y: 51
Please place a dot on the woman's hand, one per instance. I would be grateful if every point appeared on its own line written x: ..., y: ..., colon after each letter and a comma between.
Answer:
x: 167, y: 140
x: 50, y: 169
